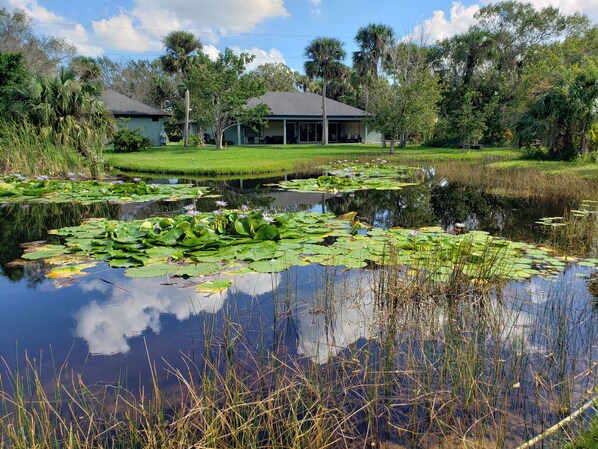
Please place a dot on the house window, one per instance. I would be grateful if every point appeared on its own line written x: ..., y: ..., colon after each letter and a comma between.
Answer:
x: 155, y: 119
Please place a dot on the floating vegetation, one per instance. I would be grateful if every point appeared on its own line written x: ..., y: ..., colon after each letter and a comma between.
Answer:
x: 230, y: 242
x: 346, y: 177
x: 16, y: 188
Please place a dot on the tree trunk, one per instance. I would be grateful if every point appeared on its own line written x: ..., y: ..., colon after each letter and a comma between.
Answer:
x: 392, y: 145
x: 324, y: 117
x: 218, y: 136
x: 403, y: 141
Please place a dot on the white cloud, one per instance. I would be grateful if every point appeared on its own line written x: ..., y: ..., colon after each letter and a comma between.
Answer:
x: 223, y: 15
x: 439, y: 26
x: 316, y: 7
x: 119, y: 32
x: 143, y: 27
x: 261, y: 56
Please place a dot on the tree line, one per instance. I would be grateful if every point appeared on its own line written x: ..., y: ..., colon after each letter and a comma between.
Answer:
x: 518, y: 76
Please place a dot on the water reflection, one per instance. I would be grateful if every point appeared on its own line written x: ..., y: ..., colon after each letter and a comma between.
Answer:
x: 136, y: 305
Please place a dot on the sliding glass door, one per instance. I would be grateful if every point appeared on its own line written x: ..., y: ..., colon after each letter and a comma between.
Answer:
x: 310, y: 132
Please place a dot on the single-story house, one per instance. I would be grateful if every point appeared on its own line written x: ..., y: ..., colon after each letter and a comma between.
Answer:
x: 134, y: 114
x: 296, y: 117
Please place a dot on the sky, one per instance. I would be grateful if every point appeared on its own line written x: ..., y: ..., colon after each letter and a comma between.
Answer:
x: 273, y: 30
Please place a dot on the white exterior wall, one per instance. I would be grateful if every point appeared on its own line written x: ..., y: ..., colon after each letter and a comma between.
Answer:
x: 148, y: 127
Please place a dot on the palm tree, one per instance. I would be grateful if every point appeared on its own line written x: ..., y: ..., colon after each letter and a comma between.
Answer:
x: 324, y: 62
x: 181, y: 48
x: 68, y: 111
x: 181, y: 53
x: 373, y: 41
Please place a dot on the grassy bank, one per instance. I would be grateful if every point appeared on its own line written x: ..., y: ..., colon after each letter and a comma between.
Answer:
x: 276, y: 158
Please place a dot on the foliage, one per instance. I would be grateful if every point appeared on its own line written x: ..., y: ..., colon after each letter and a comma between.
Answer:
x: 69, y: 112
x: 125, y: 140
x: 562, y: 118
x: 142, y: 80
x: 41, y: 54
x: 469, y: 123
x: 220, y: 91
x: 374, y: 40
x: 406, y: 101
x: 17, y: 188
x: 276, y: 77
x: 182, y: 49
x: 324, y: 56
x: 502, y: 59
x: 12, y: 77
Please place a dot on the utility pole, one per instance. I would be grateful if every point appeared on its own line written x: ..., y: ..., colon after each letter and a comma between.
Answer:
x: 186, y: 117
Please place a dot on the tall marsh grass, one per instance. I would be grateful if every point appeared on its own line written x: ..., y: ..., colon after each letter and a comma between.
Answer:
x: 24, y: 150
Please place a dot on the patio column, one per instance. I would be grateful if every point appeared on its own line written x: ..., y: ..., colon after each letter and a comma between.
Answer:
x: 284, y: 131
x: 239, y: 135
x: 365, y: 139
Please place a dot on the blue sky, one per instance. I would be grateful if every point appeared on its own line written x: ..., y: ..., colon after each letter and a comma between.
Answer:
x: 273, y: 30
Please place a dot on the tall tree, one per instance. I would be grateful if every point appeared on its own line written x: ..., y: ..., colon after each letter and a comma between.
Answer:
x: 276, y: 77
x: 373, y: 40
x: 182, y: 49
x: 41, y: 54
x: 220, y: 91
x: 405, y: 100
x: 324, y: 56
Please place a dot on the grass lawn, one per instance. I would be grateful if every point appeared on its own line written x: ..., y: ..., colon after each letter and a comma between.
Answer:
x: 176, y: 159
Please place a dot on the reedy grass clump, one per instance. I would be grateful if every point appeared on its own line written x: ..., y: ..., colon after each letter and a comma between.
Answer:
x: 25, y: 150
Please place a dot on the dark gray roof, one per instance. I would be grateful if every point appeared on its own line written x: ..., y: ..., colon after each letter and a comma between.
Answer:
x: 304, y: 104
x: 120, y: 105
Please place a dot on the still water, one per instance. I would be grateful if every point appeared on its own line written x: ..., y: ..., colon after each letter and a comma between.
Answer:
x: 107, y: 327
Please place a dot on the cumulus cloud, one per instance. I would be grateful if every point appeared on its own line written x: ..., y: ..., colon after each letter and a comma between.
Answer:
x: 440, y: 26
x: 143, y: 26
x: 261, y: 56
x: 119, y: 32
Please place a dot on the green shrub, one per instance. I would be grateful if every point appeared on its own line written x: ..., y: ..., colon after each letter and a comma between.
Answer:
x: 126, y: 140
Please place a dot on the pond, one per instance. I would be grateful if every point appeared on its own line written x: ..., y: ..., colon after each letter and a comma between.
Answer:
x: 434, y: 364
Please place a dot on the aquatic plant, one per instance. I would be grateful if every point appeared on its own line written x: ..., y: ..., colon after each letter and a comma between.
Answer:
x: 16, y: 188
x: 226, y: 241
x: 343, y: 176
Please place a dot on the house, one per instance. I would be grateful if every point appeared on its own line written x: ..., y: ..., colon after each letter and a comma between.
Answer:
x: 134, y: 114
x: 296, y: 117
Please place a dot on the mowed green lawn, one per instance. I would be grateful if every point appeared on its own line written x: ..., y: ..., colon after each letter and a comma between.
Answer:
x: 176, y: 159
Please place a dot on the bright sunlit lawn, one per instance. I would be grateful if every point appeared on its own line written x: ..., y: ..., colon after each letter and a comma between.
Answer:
x: 208, y: 161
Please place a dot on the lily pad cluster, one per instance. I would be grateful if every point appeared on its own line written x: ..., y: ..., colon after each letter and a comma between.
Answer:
x: 236, y: 241
x: 16, y: 188
x: 346, y: 177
